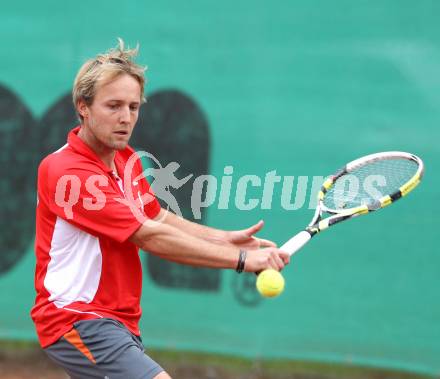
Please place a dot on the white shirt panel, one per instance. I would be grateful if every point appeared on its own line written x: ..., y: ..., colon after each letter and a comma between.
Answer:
x: 75, y: 266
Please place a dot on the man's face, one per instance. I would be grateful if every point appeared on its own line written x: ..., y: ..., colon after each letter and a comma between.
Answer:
x: 114, y: 112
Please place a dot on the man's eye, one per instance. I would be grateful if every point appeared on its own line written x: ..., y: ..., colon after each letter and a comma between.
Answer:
x: 134, y: 107
x: 113, y: 106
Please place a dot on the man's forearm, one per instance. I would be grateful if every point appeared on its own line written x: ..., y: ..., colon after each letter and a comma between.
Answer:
x: 200, y: 231
x: 171, y: 243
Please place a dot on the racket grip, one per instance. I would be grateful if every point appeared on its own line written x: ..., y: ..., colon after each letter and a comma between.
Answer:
x: 296, y: 242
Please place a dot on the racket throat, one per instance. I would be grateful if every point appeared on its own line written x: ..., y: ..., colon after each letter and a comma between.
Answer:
x: 312, y: 230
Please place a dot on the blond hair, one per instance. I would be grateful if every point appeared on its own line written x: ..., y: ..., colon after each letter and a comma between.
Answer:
x: 105, y: 68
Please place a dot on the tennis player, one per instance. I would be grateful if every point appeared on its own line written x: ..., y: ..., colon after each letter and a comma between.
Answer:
x: 88, y: 232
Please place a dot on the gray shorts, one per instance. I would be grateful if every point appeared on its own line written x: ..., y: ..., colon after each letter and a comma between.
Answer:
x: 104, y: 349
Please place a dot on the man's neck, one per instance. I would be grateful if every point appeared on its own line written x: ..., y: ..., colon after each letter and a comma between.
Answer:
x: 104, y: 153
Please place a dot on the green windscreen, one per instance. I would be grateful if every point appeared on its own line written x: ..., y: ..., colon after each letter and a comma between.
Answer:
x: 260, y: 100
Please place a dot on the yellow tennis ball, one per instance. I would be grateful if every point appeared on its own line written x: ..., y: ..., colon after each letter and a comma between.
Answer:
x: 270, y: 283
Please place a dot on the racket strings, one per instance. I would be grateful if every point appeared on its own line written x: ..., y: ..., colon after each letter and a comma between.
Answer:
x: 369, y: 182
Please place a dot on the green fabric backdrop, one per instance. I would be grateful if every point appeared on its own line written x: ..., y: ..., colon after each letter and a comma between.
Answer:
x: 296, y: 86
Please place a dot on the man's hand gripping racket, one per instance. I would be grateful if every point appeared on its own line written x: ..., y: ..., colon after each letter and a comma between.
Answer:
x: 364, y: 185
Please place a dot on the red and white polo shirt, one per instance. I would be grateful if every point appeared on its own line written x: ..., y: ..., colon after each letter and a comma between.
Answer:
x: 86, y: 267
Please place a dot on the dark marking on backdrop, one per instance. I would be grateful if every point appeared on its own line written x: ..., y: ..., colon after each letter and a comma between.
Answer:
x: 244, y: 290
x: 17, y: 170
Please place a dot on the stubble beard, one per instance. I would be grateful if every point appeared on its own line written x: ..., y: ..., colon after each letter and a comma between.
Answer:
x: 109, y: 142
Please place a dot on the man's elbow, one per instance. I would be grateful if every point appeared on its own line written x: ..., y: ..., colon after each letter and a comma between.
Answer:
x: 149, y: 233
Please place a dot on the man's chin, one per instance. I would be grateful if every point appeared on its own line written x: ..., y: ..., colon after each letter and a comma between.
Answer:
x: 120, y: 145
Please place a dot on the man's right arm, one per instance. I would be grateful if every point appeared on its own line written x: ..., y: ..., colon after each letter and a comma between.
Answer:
x: 103, y: 213
x: 177, y: 246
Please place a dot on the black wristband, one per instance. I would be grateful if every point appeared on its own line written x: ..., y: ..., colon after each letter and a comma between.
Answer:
x: 241, y: 261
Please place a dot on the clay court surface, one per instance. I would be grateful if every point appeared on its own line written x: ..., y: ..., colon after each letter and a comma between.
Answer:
x: 24, y: 361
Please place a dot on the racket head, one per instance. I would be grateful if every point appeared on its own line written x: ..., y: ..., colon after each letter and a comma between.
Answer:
x: 371, y: 183
x: 396, y: 173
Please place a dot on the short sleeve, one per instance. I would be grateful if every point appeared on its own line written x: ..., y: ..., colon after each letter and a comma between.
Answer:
x: 90, y: 200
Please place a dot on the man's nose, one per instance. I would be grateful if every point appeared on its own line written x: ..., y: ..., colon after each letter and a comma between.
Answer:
x: 124, y: 115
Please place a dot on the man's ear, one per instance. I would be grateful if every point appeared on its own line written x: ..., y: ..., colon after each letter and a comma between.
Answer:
x: 82, y: 108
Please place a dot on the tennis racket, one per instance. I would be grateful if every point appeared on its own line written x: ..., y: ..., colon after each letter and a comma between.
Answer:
x: 364, y: 185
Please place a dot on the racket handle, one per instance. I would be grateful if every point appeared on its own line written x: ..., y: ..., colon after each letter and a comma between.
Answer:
x: 296, y: 242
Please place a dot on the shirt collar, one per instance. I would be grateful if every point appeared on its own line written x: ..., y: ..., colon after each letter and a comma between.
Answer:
x: 82, y: 148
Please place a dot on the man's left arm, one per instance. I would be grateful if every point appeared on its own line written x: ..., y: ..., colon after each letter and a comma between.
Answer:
x: 240, y: 238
